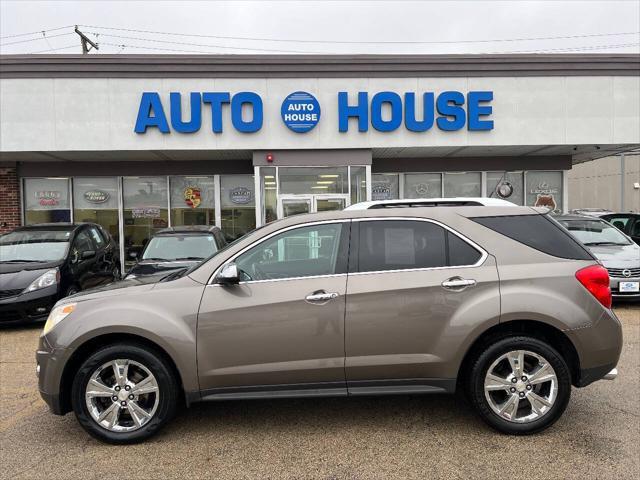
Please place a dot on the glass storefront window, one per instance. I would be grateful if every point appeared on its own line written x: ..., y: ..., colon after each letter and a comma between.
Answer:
x: 313, y: 180
x: 358, y: 184
x: 237, y: 205
x: 193, y: 200
x: 544, y: 189
x: 462, y: 184
x: 145, y: 212
x: 269, y: 194
x: 46, y: 200
x: 422, y: 185
x: 95, y: 199
x: 385, y: 186
x: 506, y: 185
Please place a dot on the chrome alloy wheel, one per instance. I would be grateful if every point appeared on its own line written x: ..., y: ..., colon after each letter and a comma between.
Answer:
x: 122, y: 395
x: 521, y: 386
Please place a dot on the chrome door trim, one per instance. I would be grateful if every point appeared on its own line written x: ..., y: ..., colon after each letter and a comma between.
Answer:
x: 267, y: 237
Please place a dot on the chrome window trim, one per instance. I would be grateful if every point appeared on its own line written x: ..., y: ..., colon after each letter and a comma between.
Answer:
x: 264, y: 239
x: 483, y: 253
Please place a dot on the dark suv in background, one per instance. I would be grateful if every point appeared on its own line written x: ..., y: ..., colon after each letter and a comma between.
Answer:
x: 176, y: 248
x: 40, y: 264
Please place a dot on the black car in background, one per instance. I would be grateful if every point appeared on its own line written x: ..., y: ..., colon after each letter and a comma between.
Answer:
x: 629, y: 223
x: 176, y: 248
x: 40, y: 264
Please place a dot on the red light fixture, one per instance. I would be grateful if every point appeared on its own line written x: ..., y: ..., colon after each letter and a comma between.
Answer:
x: 596, y: 279
x: 269, y: 157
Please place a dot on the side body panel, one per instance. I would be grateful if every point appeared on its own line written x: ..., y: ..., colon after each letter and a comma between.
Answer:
x: 404, y: 325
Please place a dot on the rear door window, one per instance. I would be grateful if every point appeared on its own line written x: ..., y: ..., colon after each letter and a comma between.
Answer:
x: 540, y: 232
x: 385, y: 245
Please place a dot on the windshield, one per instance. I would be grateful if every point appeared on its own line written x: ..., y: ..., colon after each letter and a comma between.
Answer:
x: 180, y: 247
x: 595, y: 232
x: 34, y: 246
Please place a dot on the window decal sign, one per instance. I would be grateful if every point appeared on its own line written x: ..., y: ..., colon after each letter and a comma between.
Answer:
x: 192, y: 197
x: 240, y: 195
x: 48, y: 198
x: 96, y: 196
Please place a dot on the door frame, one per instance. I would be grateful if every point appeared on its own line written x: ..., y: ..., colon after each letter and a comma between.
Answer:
x: 312, y: 198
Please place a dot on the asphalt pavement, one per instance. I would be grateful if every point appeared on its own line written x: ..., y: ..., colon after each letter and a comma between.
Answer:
x: 357, y: 438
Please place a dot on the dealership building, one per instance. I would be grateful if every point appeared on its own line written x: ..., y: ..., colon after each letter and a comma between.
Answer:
x: 138, y: 143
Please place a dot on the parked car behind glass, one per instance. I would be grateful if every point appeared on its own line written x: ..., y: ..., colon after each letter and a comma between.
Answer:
x: 39, y: 264
x: 629, y: 223
x: 617, y: 252
x: 177, y: 248
x: 501, y: 302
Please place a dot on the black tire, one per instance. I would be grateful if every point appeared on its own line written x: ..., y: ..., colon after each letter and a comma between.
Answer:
x: 72, y: 290
x: 486, y: 358
x: 155, y: 363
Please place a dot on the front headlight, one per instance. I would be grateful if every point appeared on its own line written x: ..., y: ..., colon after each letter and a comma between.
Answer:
x: 48, y: 278
x: 58, y: 314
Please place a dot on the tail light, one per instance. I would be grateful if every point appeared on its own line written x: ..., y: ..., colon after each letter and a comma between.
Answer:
x: 596, y: 279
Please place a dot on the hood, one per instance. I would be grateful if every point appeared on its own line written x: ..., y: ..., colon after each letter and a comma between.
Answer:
x: 122, y: 287
x: 617, y: 256
x: 14, y: 276
x: 154, y: 267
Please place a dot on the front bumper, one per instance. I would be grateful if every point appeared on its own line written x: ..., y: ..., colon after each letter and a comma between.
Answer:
x: 28, y: 307
x: 49, y: 369
x: 614, y: 283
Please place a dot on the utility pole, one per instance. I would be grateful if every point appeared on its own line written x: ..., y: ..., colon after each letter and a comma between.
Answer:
x: 86, y: 42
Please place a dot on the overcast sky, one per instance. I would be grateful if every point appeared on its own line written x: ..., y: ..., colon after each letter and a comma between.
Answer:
x: 320, y: 26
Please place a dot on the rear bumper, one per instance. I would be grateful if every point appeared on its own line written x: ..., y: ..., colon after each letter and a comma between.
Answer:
x: 590, y: 375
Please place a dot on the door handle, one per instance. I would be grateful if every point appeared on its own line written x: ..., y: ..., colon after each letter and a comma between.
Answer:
x: 458, y: 283
x: 320, y: 297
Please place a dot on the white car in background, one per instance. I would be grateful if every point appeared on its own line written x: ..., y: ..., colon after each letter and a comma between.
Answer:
x: 433, y: 202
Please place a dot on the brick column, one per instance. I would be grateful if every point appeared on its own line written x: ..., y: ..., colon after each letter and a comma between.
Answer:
x: 9, y: 199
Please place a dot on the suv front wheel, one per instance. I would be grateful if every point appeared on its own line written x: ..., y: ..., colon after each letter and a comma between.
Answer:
x: 520, y: 385
x: 124, y: 393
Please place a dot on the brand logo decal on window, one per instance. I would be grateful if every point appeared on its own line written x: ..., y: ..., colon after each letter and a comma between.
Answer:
x: 192, y: 197
x: 48, y: 198
x: 240, y: 195
x: 96, y: 196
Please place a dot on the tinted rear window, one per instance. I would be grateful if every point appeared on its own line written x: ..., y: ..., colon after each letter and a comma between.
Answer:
x: 539, y: 232
x: 409, y: 244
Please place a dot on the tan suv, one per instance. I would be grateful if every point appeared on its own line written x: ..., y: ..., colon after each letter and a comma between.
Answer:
x: 499, y: 302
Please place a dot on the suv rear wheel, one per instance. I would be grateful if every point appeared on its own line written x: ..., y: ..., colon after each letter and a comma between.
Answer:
x: 124, y: 393
x: 520, y: 385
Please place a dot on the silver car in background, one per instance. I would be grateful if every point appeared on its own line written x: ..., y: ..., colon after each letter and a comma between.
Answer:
x: 617, y: 252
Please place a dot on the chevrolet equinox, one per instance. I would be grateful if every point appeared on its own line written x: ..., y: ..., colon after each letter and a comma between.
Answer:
x: 500, y: 303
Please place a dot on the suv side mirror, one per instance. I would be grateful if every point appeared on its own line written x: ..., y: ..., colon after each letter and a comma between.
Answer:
x: 133, y: 255
x: 87, y: 254
x: 228, y: 275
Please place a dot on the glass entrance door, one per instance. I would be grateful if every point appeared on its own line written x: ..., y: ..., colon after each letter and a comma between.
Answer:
x: 296, y: 204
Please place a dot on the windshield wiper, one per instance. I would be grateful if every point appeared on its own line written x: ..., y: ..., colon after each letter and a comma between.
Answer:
x: 156, y: 259
x: 190, y: 258
x: 19, y: 260
x: 174, y: 274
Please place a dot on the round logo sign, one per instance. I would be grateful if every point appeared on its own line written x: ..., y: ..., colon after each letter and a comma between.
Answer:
x: 300, y: 112
x: 240, y: 195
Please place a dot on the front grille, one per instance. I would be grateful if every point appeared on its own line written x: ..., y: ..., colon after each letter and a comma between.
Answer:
x: 617, y: 272
x: 10, y: 293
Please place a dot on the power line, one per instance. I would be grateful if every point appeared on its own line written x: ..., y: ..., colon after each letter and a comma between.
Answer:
x: 36, y: 39
x: 36, y: 32
x: 595, y: 47
x: 52, y: 49
x: 293, y: 40
x: 202, y: 45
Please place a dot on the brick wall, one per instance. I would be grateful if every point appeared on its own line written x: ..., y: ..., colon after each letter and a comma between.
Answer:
x: 9, y: 199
